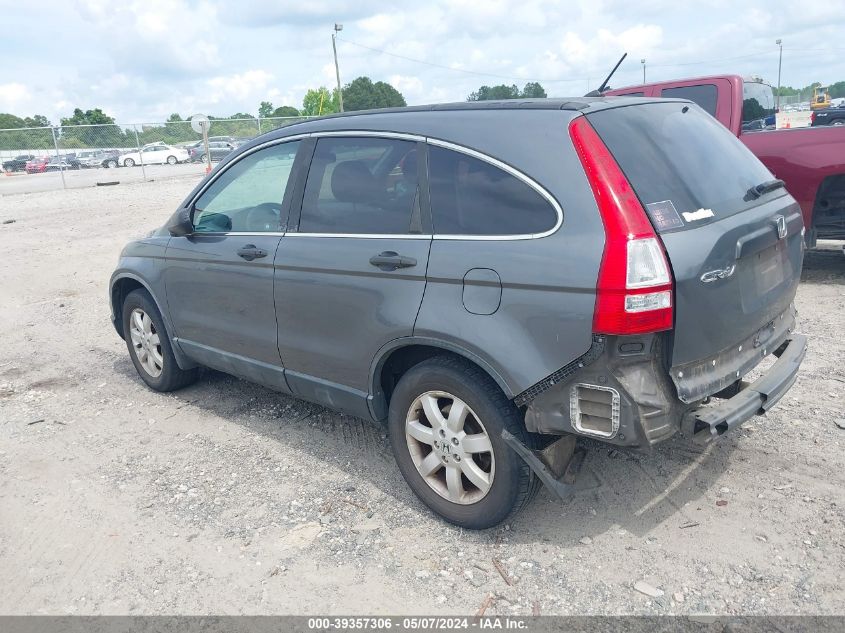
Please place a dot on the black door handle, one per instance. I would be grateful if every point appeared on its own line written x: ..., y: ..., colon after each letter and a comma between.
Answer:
x: 250, y: 252
x: 391, y: 260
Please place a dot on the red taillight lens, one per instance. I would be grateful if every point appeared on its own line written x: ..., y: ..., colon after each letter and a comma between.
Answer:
x: 634, y: 289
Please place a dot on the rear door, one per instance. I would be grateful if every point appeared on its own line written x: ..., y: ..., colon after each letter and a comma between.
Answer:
x: 736, y: 253
x: 352, y: 278
x: 219, y: 279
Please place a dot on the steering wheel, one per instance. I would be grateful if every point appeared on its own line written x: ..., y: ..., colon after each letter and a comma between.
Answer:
x: 264, y: 217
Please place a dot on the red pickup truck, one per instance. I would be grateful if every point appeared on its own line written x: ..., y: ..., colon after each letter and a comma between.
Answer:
x: 810, y: 160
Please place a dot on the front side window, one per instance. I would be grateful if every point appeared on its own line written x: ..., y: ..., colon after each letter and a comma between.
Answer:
x: 473, y: 197
x: 360, y: 186
x: 248, y: 196
x: 705, y: 96
x: 758, y: 106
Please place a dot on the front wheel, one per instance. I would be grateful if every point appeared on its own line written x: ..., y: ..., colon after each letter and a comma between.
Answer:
x: 838, y: 122
x: 129, y: 163
x: 446, y: 420
x: 171, y: 160
x: 149, y: 345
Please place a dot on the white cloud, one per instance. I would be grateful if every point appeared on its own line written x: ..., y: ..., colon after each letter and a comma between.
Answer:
x: 13, y: 96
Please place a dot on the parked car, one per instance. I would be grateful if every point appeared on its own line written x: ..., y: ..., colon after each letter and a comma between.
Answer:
x: 811, y: 161
x: 90, y: 158
x: 63, y: 163
x: 155, y: 154
x: 18, y: 163
x: 491, y: 280
x: 218, y: 150
x: 830, y: 116
x: 37, y: 165
x: 111, y: 158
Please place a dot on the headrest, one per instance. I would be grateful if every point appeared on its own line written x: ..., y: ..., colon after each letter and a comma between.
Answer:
x: 353, y: 182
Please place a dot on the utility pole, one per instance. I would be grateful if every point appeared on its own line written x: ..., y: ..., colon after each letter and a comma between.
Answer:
x: 780, y: 59
x: 642, y: 61
x: 337, y: 29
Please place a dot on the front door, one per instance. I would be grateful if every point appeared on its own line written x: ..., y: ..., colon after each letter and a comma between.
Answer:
x: 352, y: 278
x: 219, y: 279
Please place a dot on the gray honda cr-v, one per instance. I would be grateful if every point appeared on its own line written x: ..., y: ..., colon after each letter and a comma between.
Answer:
x: 492, y: 280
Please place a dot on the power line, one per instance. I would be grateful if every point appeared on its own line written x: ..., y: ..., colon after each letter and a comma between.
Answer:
x: 460, y: 70
x: 571, y: 79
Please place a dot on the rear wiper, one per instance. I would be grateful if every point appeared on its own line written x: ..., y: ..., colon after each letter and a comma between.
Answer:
x: 764, y: 187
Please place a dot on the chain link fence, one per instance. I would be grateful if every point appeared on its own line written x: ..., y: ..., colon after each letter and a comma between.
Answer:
x: 45, y: 158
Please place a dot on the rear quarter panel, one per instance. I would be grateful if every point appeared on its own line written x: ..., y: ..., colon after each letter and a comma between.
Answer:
x: 544, y: 318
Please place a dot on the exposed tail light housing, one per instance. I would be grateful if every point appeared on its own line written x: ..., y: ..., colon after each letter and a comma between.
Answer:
x: 634, y: 289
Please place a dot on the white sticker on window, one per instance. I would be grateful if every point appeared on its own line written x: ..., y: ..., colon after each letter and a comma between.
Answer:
x: 701, y: 214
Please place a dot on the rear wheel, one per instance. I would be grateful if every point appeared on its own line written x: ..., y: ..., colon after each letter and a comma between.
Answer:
x: 171, y: 160
x: 128, y: 163
x: 149, y: 345
x: 111, y: 164
x: 446, y: 420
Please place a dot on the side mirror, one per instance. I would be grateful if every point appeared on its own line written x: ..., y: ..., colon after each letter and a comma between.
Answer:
x: 183, y: 225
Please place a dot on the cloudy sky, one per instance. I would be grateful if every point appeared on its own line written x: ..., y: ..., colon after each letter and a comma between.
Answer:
x: 141, y: 60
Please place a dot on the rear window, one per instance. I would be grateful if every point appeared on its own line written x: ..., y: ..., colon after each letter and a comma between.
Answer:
x: 704, y: 95
x: 686, y: 168
x: 473, y: 197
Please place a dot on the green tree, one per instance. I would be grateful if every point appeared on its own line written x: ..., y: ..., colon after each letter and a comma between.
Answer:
x: 89, y: 117
x: 24, y: 139
x: 103, y: 134
x: 490, y: 93
x: 532, y: 90
x: 285, y: 111
x: 320, y: 101
x: 265, y: 109
x: 10, y: 121
x: 363, y: 94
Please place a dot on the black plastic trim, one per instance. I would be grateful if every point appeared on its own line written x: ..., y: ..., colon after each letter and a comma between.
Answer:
x: 596, y: 350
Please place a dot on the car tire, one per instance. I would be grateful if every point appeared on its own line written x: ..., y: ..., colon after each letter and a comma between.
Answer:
x: 204, y: 158
x: 171, y: 160
x: 505, y: 482
x: 838, y: 122
x: 149, y: 344
x: 128, y: 163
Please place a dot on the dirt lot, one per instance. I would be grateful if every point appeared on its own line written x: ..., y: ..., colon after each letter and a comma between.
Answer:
x: 229, y: 498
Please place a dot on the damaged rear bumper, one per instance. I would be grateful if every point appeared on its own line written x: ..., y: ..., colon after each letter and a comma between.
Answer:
x: 623, y: 392
x: 707, y: 423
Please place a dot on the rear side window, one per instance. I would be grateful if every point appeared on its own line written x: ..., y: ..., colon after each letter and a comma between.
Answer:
x: 360, y: 186
x: 680, y: 161
x: 704, y: 95
x: 473, y: 197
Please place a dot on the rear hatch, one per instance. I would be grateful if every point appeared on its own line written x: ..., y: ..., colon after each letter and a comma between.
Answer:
x: 735, y: 247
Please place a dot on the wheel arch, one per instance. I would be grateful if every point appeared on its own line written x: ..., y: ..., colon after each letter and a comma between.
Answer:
x: 121, y: 285
x: 395, y: 358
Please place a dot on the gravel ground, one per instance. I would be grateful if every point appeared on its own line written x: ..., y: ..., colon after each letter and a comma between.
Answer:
x: 228, y: 498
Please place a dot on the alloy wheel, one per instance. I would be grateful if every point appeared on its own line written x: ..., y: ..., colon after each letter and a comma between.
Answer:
x: 146, y: 342
x: 450, y: 447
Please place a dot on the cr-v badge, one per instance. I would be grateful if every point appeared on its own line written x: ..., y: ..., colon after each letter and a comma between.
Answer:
x: 722, y: 273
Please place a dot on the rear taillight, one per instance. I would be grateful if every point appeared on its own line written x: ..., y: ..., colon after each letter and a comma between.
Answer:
x: 634, y: 289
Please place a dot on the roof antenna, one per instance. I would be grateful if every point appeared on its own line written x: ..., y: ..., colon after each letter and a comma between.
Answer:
x: 603, y: 86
